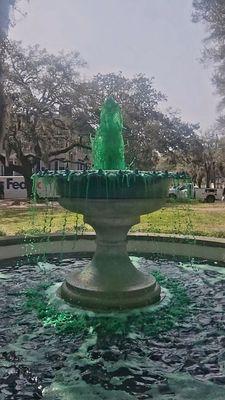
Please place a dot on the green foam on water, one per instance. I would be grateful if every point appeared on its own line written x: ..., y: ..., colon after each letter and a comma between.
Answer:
x: 140, y: 321
x: 68, y: 384
x: 4, y: 276
x: 82, y: 391
x: 186, y: 387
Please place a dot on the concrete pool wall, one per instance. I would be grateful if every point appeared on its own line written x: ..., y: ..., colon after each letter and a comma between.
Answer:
x: 168, y: 245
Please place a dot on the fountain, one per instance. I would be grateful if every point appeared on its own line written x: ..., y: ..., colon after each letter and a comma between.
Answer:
x: 111, y: 198
x: 52, y: 349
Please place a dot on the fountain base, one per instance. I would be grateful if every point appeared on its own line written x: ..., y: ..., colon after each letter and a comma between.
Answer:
x: 110, y: 280
x: 83, y: 288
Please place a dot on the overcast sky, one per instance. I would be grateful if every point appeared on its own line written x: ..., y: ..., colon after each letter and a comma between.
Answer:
x: 155, y: 37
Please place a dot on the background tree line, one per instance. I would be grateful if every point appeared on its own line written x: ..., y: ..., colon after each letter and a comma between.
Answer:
x: 51, y: 110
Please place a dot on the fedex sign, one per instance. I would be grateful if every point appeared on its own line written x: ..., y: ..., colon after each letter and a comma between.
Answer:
x: 15, y: 184
x: 13, y: 187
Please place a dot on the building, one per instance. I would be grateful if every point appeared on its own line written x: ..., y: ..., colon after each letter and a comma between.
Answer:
x: 52, y: 134
x: 78, y: 159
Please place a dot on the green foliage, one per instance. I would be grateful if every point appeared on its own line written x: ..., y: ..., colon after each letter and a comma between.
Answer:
x: 150, y: 323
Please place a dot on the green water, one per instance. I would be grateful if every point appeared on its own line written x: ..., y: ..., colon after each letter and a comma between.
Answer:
x: 108, y: 144
x: 45, y: 326
x: 54, y: 312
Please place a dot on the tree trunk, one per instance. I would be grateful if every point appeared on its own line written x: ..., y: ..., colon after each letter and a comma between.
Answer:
x: 214, y: 174
x: 208, y: 175
x: 27, y: 171
x: 4, y: 26
x: 29, y: 185
x: 2, y: 103
x: 194, y: 178
x: 199, y: 181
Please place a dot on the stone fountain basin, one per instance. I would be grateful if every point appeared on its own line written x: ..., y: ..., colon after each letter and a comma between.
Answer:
x: 109, y: 184
x: 112, y: 208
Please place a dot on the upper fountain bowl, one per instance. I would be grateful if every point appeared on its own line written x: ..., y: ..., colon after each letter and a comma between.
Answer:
x: 108, y: 184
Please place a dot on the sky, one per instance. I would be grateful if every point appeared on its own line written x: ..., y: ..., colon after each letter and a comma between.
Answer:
x: 154, y: 37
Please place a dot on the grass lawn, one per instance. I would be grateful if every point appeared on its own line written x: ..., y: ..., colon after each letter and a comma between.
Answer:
x: 188, y: 219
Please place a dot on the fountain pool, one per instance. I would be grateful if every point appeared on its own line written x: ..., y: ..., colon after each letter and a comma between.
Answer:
x: 171, y: 350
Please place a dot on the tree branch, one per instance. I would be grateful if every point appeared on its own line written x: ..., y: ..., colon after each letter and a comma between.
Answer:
x: 68, y: 148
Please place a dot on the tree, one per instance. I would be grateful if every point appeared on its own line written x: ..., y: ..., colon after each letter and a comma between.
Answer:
x: 5, y: 6
x: 212, y: 13
x: 205, y: 161
x: 148, y: 132
x: 41, y: 117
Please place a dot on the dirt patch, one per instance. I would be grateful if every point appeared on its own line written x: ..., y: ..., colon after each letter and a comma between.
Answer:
x: 210, y: 209
x: 23, y: 204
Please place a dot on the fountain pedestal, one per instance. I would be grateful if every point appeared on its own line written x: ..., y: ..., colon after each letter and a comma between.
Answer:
x: 110, y: 280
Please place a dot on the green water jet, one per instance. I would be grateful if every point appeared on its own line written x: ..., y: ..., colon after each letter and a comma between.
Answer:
x: 108, y: 144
